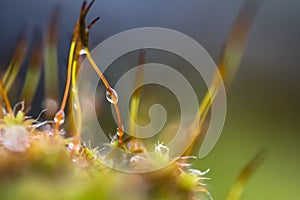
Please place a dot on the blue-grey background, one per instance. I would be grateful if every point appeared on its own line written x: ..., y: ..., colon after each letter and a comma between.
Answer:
x: 263, y: 102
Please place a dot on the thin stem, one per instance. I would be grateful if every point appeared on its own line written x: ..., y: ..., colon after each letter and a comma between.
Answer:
x: 239, y: 185
x: 65, y: 97
x: 135, y: 102
x: 203, y: 111
x: 230, y: 59
x: 75, y: 98
x: 108, y: 88
x: 94, y: 65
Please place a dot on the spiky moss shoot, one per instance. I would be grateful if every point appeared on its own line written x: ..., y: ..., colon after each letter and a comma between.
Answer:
x: 15, y: 130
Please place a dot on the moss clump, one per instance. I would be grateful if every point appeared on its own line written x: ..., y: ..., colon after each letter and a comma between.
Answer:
x: 53, y: 167
x: 38, y: 161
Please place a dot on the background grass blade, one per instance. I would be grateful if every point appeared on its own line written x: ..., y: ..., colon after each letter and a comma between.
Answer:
x: 230, y: 59
x: 16, y: 62
x: 245, y: 175
x: 233, y: 48
x: 135, y: 101
x: 4, y: 97
x: 33, y: 74
x: 51, y: 70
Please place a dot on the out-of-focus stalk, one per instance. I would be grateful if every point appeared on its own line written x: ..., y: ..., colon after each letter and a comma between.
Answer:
x: 51, y: 67
x: 33, y: 74
x: 135, y: 101
x: 239, y: 185
x: 15, y: 62
x: 230, y: 59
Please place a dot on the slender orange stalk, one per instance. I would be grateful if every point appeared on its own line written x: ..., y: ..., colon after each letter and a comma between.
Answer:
x: 67, y: 88
x: 69, y: 72
x: 120, y: 131
x: 73, y: 56
x: 80, y: 38
x: 75, y: 99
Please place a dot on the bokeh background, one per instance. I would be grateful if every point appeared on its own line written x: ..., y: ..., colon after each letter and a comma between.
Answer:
x: 263, y: 102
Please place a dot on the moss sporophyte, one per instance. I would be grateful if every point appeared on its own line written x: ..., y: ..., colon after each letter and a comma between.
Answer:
x: 39, y: 155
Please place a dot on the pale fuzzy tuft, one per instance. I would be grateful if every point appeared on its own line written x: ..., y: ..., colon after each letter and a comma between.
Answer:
x: 15, y: 138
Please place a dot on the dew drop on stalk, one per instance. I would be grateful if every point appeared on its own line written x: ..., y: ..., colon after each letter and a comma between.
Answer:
x: 120, y: 131
x: 82, y: 52
x: 112, y: 96
x: 59, y: 118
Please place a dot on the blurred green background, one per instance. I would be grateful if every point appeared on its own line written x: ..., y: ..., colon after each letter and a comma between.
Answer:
x: 262, y: 112
x: 263, y: 102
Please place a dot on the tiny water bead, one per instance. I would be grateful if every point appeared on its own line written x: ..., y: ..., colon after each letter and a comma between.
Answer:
x: 120, y: 131
x: 59, y: 118
x: 82, y: 52
x: 112, y: 96
x: 73, y: 147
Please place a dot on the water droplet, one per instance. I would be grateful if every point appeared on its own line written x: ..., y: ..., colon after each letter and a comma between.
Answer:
x: 120, y: 132
x: 59, y: 117
x: 70, y: 146
x: 112, y: 96
x: 82, y: 52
